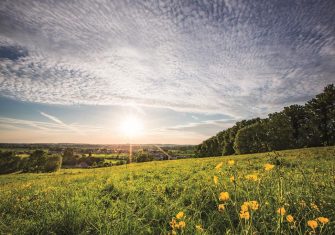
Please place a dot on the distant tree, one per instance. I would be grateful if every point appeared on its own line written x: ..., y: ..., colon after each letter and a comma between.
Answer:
x: 53, y: 163
x: 143, y: 156
x: 9, y: 162
x: 69, y: 158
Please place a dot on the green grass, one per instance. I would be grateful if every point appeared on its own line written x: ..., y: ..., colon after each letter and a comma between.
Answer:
x: 143, y: 198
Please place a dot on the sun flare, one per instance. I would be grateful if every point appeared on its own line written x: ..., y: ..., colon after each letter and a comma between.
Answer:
x: 131, y: 126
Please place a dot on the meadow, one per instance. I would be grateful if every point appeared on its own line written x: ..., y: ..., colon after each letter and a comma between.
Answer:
x: 286, y: 192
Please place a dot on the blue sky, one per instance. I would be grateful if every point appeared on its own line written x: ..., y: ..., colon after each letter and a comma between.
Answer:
x: 71, y: 71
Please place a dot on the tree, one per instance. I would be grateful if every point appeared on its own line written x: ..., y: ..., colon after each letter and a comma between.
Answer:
x: 322, y: 113
x: 251, y: 139
x: 9, y: 162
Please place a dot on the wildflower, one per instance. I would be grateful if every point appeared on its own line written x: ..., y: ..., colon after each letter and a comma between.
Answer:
x: 252, y: 177
x: 244, y: 215
x: 218, y: 166
x: 174, y: 224
x: 281, y: 211
x: 231, y: 162
x: 312, y: 223
x: 314, y: 206
x: 221, y: 207
x: 244, y: 207
x: 180, y: 215
x: 216, y: 179
x: 224, y: 196
x: 268, y: 167
x: 199, y: 228
x: 181, y: 224
x: 290, y: 218
x: 253, y: 205
x: 323, y: 220
x: 232, y: 179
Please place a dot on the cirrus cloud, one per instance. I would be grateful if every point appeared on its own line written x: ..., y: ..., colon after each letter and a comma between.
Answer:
x: 241, y: 58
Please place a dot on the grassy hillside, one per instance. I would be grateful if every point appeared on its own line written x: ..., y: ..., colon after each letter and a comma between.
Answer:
x: 145, y: 198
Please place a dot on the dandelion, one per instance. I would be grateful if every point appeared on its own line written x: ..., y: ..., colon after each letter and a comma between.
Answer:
x: 313, y: 224
x: 252, y: 177
x: 221, y: 207
x: 219, y: 166
x: 174, y: 224
x: 290, y: 218
x: 232, y: 179
x: 199, y: 228
x: 268, y: 167
x: 181, y: 224
x: 180, y: 215
x: 323, y: 220
x: 253, y: 205
x: 216, y: 179
x: 281, y: 211
x: 244, y: 207
x: 245, y: 215
x: 231, y: 162
x: 224, y: 196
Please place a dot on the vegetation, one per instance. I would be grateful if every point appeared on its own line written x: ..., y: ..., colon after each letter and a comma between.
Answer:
x: 286, y: 192
x: 38, y: 161
x: 296, y: 126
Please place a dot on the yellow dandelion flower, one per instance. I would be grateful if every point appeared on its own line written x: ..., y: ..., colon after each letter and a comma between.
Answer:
x: 174, y: 224
x: 224, y: 196
x: 268, y: 166
x: 253, y: 205
x: 199, y: 228
x: 323, y: 220
x: 231, y: 162
x: 313, y: 224
x: 219, y: 166
x: 232, y: 179
x: 281, y: 211
x: 244, y: 207
x: 180, y: 215
x: 181, y: 224
x: 290, y: 218
x: 252, y: 177
x: 216, y: 179
x: 221, y: 207
x: 244, y: 215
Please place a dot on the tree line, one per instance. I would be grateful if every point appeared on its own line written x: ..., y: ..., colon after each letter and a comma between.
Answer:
x: 296, y: 126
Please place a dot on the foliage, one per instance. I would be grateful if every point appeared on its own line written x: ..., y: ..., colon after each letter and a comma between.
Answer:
x: 295, y: 127
x: 143, y: 156
x: 287, y: 192
x: 9, y: 162
x: 39, y: 161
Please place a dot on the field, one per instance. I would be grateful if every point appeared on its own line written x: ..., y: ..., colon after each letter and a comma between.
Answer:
x: 236, y: 197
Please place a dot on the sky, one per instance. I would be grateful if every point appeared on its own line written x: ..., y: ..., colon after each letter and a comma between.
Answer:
x: 74, y: 71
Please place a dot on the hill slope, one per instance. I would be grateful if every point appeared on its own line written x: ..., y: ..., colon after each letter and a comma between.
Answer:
x: 144, y: 198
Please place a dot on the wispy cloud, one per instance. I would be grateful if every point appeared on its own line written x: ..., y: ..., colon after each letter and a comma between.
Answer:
x: 241, y: 58
x: 52, y: 118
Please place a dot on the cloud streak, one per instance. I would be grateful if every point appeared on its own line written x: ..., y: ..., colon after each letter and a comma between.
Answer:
x: 240, y: 58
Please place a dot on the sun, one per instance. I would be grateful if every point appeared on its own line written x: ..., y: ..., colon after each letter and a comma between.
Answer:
x: 131, y: 126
